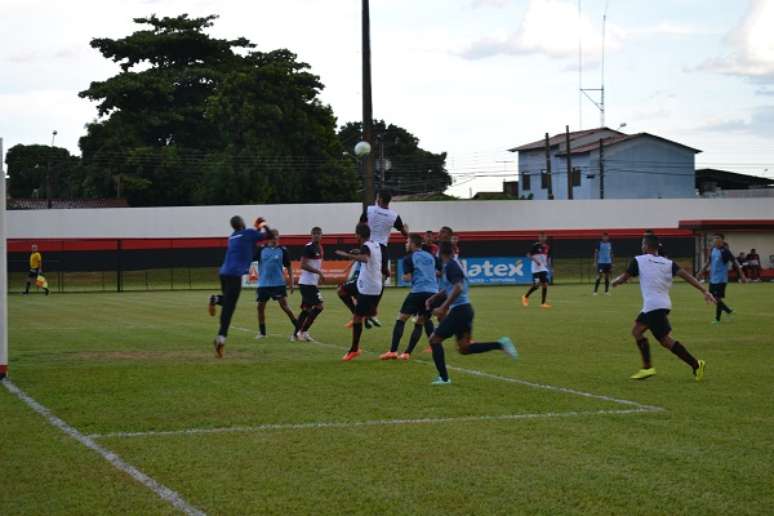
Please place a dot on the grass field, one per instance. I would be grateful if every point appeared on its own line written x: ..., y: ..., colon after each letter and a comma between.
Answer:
x: 286, y: 428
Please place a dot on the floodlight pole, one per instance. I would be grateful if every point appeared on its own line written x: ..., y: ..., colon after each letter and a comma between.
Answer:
x: 3, y: 275
x: 368, y: 162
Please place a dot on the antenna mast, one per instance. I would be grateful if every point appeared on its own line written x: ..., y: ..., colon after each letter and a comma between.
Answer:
x: 600, y: 104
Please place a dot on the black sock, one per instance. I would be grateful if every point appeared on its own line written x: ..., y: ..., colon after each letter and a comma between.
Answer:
x: 607, y: 285
x: 357, y: 331
x: 483, y: 347
x: 219, y: 300
x: 644, y: 348
x: 440, y: 361
x: 348, y: 303
x: 543, y: 294
x: 723, y: 307
x: 294, y: 322
x: 310, y: 318
x: 429, y: 328
x: 596, y: 285
x: 679, y: 350
x: 302, y: 319
x: 262, y: 328
x: 530, y: 291
x: 718, y: 311
x: 414, y: 339
x: 397, y: 334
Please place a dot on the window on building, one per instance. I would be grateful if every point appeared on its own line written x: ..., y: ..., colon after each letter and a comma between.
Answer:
x: 525, y: 184
x: 544, y: 179
x: 576, y: 177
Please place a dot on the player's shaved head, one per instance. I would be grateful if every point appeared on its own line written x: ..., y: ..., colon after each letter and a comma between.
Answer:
x: 650, y: 242
x: 363, y: 231
x: 237, y: 223
x: 415, y: 239
x: 385, y: 197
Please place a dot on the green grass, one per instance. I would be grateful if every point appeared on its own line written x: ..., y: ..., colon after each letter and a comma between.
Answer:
x: 142, y: 361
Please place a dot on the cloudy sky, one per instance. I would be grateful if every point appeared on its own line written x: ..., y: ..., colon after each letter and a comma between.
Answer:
x: 470, y: 77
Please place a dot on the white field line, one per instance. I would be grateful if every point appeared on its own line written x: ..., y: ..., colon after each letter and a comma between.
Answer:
x: 374, y: 422
x: 163, y: 492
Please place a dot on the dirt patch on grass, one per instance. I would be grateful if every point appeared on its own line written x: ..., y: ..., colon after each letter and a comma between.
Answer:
x: 158, y: 356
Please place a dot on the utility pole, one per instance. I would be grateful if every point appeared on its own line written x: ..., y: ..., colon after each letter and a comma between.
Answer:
x: 548, y: 169
x: 3, y: 275
x: 601, y: 168
x: 569, y: 161
x: 368, y: 162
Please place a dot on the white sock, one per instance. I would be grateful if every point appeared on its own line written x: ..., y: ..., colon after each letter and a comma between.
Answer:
x: 221, y: 339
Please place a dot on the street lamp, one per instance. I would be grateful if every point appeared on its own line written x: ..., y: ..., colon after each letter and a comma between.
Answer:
x: 621, y: 126
x: 53, y: 136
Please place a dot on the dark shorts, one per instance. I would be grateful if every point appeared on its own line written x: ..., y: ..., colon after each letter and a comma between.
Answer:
x: 414, y: 304
x: 310, y: 296
x: 348, y: 289
x: 385, y: 261
x: 458, y: 322
x: 366, y: 305
x: 275, y: 293
x: 33, y: 274
x: 539, y: 277
x: 718, y: 290
x: 657, y: 322
x: 604, y: 267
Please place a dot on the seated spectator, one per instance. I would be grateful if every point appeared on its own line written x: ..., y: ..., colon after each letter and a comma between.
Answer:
x: 753, y: 263
x: 742, y: 259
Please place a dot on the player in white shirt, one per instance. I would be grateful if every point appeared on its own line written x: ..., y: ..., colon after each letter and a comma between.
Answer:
x: 311, y: 275
x: 656, y: 273
x: 539, y: 257
x: 369, y: 284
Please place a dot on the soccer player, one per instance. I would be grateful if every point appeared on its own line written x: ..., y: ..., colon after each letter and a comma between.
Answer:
x: 603, y: 259
x: 456, y: 316
x: 717, y: 263
x: 421, y: 267
x: 36, y: 269
x: 656, y: 273
x: 539, y: 256
x: 308, y: 283
x: 428, y: 244
x: 369, y: 284
x: 239, y: 254
x: 272, y: 260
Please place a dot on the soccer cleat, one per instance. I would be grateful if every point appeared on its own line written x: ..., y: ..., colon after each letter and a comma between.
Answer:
x: 643, y: 374
x: 524, y: 301
x: 508, y: 347
x: 367, y: 324
x: 294, y: 338
x: 351, y: 355
x: 260, y: 336
x: 211, y: 306
x: 594, y: 294
x: 305, y: 337
x: 440, y: 381
x: 404, y: 356
x: 219, y: 347
x: 390, y: 355
x: 375, y: 322
x: 715, y: 322
x: 349, y: 324
x: 699, y: 371
x: 607, y: 293
x: 428, y: 349
x: 546, y: 305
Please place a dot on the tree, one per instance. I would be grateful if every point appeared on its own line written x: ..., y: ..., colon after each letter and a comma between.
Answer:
x: 410, y: 169
x: 193, y: 119
x: 33, y: 168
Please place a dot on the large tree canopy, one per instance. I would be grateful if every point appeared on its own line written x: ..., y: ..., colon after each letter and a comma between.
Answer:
x: 408, y: 168
x: 33, y: 168
x: 193, y: 119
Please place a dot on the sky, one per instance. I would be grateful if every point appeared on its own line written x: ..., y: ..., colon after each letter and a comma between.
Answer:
x: 468, y: 77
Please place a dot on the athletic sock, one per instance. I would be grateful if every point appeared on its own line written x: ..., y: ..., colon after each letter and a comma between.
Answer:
x: 397, y: 334
x: 723, y: 306
x: 644, y: 348
x: 27, y: 288
x: 348, y: 303
x: 483, y: 347
x: 429, y: 328
x: 718, y: 311
x: 414, y: 338
x: 607, y: 285
x: 219, y: 300
x: 302, y: 319
x: 357, y: 331
x: 293, y: 321
x: 543, y: 294
x: 311, y: 317
x: 262, y: 328
x: 440, y: 361
x: 596, y: 285
x: 530, y: 291
x: 679, y: 350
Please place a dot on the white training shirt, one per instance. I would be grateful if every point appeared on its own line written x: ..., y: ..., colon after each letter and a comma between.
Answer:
x: 381, y: 221
x: 369, y: 282
x: 539, y: 258
x: 314, y: 255
x: 656, y: 273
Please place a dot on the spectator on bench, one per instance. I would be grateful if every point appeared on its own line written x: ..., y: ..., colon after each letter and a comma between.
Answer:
x: 753, y: 264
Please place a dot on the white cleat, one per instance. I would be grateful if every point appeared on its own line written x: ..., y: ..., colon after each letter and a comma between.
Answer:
x: 260, y: 336
x: 306, y: 337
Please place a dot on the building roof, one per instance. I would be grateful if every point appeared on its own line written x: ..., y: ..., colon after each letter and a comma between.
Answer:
x: 558, y: 139
x: 728, y: 180
x: 615, y: 140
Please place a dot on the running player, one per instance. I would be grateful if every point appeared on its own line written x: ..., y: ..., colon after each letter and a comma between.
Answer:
x: 603, y: 259
x: 308, y: 283
x: 456, y: 316
x: 272, y: 260
x: 539, y: 257
x: 369, y: 284
x: 36, y: 269
x: 717, y: 263
x: 239, y: 254
x: 656, y: 273
x: 421, y: 267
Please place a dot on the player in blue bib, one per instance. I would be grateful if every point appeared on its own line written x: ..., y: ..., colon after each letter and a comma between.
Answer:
x: 456, y: 316
x: 421, y: 267
x: 603, y: 260
x: 719, y: 258
x: 273, y: 260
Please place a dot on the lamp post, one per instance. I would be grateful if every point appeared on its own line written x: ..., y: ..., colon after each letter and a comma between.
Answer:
x: 48, y: 170
x: 368, y: 164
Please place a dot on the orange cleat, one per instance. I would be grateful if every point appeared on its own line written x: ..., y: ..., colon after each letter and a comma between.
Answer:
x: 390, y: 355
x: 524, y: 301
x: 404, y: 356
x: 349, y: 324
x: 546, y: 305
x: 428, y: 349
x: 351, y: 355
x: 211, y: 306
x: 219, y: 348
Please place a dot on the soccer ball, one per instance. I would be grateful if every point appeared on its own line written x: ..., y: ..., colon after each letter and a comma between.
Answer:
x: 362, y: 149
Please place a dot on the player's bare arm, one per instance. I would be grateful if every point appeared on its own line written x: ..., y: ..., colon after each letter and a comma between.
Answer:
x: 620, y: 280
x: 355, y: 257
x: 454, y: 294
x: 685, y: 275
x: 308, y: 268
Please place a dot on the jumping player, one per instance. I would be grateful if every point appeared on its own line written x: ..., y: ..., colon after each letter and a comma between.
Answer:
x: 539, y: 256
x: 272, y: 259
x: 36, y: 269
x: 717, y: 263
x: 603, y: 259
x: 656, y: 273
x: 421, y: 267
x: 369, y: 284
x: 456, y: 316
x: 308, y: 283
x: 239, y: 254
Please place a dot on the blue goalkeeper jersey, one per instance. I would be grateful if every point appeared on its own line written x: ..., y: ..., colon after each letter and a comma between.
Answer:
x: 239, y: 254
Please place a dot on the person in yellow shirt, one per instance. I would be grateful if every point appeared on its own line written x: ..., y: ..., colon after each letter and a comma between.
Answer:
x: 36, y: 268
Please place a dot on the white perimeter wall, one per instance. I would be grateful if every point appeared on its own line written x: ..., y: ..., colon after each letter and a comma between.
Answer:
x: 212, y: 221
